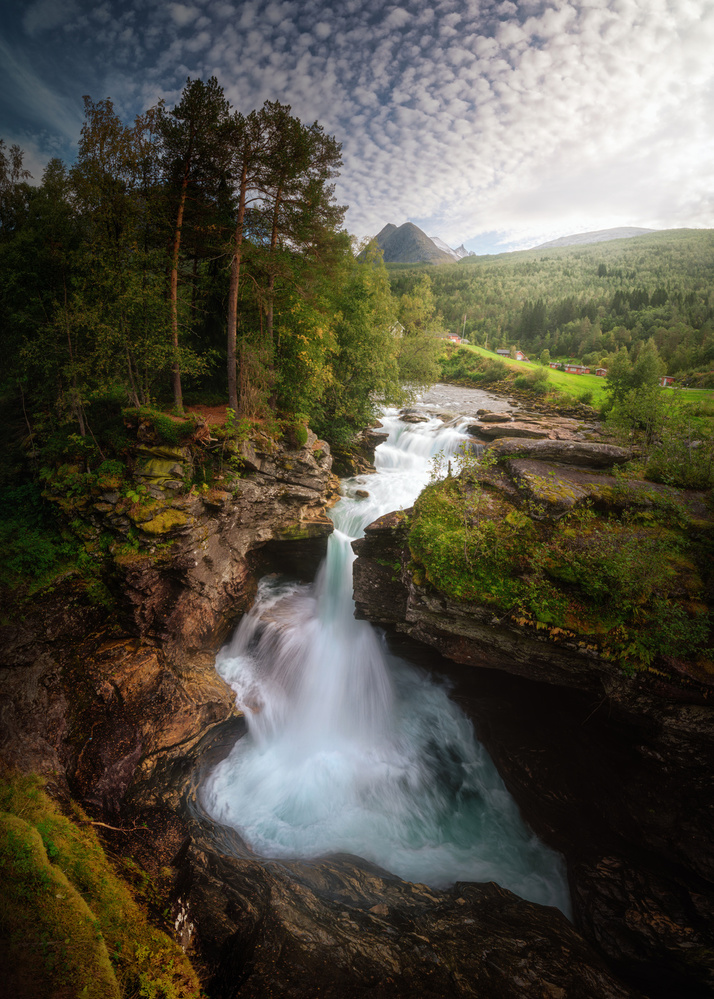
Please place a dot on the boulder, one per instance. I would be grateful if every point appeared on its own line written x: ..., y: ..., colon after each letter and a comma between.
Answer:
x: 514, y: 429
x: 495, y: 417
x: 587, y: 454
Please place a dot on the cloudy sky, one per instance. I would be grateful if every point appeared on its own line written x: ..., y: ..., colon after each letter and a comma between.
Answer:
x: 498, y: 124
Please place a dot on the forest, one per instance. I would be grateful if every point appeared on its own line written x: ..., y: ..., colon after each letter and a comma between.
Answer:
x: 587, y: 302
x: 196, y: 253
x: 193, y: 256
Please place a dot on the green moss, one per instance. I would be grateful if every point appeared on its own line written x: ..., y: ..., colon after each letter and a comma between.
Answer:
x: 297, y: 532
x: 53, y: 939
x: 630, y: 586
x: 168, y: 430
x: 68, y: 921
x: 165, y: 522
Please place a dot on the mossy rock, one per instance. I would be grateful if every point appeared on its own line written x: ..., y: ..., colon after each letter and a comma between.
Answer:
x: 164, y: 452
x: 161, y: 470
x: 52, y: 940
x: 166, y: 522
x: 69, y: 925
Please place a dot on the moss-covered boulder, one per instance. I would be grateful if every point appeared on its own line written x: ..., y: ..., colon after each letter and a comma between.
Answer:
x: 68, y: 922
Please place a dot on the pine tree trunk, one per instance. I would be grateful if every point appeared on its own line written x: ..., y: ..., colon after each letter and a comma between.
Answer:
x: 175, y: 367
x: 232, y: 322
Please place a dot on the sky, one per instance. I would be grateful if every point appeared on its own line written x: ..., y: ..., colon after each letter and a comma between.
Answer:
x: 491, y: 123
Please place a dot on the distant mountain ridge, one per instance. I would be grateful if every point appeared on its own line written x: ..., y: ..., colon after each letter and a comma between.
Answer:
x: 456, y: 254
x: 408, y: 244
x: 600, y: 236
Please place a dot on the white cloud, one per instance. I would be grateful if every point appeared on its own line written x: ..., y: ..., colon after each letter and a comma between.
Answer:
x: 181, y: 14
x: 322, y: 30
x: 475, y: 114
x: 396, y: 18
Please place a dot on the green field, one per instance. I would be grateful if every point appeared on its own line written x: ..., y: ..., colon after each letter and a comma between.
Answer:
x: 590, y: 388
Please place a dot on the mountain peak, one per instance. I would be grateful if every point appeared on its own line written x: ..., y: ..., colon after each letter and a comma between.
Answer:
x: 408, y: 244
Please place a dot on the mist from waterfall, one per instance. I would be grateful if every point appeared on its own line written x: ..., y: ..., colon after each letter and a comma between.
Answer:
x: 351, y: 749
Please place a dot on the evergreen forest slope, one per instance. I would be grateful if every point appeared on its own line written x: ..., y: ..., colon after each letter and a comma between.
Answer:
x: 588, y: 302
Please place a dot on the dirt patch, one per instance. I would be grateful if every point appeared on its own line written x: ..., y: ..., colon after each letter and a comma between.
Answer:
x: 215, y: 415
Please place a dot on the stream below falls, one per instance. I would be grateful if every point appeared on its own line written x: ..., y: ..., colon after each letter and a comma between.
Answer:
x: 350, y: 749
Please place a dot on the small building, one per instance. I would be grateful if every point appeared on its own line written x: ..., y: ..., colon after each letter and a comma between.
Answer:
x: 554, y: 364
x: 453, y: 338
x: 503, y: 352
x: 577, y: 369
x: 666, y: 380
x: 601, y: 372
x: 520, y: 356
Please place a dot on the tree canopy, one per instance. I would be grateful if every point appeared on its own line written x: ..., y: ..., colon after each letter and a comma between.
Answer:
x: 197, y: 252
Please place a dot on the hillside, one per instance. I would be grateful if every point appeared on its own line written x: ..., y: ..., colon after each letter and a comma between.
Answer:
x: 586, y: 300
x: 601, y: 236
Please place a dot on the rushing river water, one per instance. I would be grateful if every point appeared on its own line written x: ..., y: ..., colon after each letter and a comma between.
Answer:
x: 350, y: 749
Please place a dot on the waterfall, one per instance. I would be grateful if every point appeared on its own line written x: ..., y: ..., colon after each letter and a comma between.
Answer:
x: 351, y: 749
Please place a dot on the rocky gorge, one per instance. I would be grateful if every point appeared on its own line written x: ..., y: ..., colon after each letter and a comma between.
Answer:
x: 125, y: 713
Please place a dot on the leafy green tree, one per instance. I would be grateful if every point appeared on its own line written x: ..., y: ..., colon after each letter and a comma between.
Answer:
x: 420, y: 344
x: 14, y: 190
x: 637, y: 400
x: 619, y: 376
x: 364, y: 365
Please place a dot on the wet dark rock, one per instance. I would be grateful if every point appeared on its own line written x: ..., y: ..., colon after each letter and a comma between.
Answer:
x: 615, y: 772
x: 340, y: 927
x: 358, y: 458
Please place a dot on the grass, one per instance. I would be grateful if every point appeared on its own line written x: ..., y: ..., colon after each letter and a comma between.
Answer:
x: 584, y: 388
x: 592, y: 389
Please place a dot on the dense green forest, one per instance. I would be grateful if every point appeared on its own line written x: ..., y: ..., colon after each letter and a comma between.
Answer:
x: 587, y: 302
x: 196, y: 253
x: 194, y: 256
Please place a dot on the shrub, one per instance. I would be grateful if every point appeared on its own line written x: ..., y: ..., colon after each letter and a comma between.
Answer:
x: 495, y: 371
x: 683, y: 455
x: 168, y: 429
x: 535, y: 381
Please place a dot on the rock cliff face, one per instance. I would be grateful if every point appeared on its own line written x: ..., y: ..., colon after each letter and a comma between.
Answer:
x: 613, y: 771
x: 96, y: 696
x: 124, y: 711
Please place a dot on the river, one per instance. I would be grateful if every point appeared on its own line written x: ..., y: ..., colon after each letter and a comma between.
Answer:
x: 351, y: 749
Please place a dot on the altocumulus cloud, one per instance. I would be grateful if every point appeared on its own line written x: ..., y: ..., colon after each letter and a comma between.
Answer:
x: 465, y: 116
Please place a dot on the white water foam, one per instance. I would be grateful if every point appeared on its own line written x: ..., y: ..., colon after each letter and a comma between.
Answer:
x: 350, y: 749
